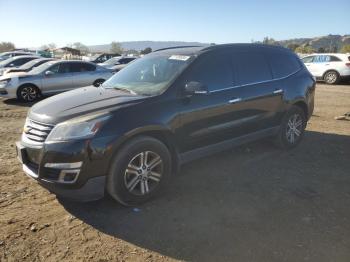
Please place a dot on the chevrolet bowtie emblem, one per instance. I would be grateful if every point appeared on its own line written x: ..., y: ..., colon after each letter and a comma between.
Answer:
x: 26, y: 129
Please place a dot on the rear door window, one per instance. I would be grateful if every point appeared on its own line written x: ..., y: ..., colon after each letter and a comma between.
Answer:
x: 82, y: 67
x: 60, y: 68
x: 212, y: 70
x: 283, y: 64
x: 250, y: 68
x: 321, y: 59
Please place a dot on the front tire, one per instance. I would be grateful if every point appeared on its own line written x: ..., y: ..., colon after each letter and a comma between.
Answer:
x: 292, y: 128
x: 331, y: 77
x: 28, y: 93
x: 98, y: 82
x: 138, y: 171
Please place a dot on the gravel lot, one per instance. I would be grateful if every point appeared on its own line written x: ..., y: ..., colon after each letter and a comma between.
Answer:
x: 253, y: 203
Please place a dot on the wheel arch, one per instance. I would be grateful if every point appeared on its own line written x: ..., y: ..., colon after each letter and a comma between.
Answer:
x: 329, y: 70
x: 303, y: 106
x: 160, y: 133
x: 28, y: 84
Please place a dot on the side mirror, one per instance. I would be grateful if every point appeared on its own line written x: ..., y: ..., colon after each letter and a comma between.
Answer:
x: 11, y: 65
x: 194, y: 88
x: 49, y: 73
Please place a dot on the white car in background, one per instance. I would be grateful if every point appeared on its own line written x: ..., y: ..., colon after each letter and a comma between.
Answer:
x: 330, y: 68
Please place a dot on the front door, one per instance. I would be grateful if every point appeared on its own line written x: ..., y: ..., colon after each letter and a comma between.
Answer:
x: 57, y: 78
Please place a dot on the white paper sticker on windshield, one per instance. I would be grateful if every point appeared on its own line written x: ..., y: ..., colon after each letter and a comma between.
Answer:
x: 179, y: 57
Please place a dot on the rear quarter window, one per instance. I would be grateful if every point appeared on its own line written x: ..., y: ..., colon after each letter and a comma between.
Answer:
x: 333, y: 58
x: 250, y: 68
x: 283, y: 64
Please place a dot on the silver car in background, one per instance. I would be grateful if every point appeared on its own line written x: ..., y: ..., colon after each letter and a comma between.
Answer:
x: 15, y: 62
x: 52, y: 77
x: 7, y: 55
x: 118, y: 63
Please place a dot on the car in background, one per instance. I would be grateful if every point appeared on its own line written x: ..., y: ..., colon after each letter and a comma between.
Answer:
x: 7, y: 55
x: 28, y: 66
x: 118, y: 63
x: 51, y: 78
x: 15, y: 62
x: 100, y: 58
x: 330, y: 68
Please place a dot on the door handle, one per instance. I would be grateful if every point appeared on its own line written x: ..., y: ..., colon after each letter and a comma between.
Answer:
x: 278, y: 91
x: 235, y: 100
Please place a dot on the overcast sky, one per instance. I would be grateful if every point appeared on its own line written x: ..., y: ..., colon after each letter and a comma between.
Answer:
x: 31, y: 23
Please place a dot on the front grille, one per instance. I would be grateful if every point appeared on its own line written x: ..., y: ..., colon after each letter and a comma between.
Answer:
x: 35, y: 131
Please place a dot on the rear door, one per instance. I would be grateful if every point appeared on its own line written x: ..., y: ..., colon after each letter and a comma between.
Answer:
x: 60, y: 79
x: 257, y: 98
x: 84, y: 74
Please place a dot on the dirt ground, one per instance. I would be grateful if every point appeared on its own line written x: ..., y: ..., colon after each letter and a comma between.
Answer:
x: 253, y: 203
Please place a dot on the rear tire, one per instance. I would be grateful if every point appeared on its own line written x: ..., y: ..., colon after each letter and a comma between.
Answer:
x: 138, y: 171
x: 292, y: 128
x: 331, y: 77
x: 28, y: 93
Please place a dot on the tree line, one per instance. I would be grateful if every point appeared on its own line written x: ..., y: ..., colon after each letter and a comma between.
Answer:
x: 306, y: 48
x: 116, y: 47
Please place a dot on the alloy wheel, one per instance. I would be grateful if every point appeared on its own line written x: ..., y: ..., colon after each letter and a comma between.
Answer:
x: 143, y: 173
x: 331, y: 77
x: 29, y: 93
x: 294, y: 128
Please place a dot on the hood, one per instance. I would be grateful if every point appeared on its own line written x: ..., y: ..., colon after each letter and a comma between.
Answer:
x: 118, y: 67
x: 14, y: 74
x: 79, y: 102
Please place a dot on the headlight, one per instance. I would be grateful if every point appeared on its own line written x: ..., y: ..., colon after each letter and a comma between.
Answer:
x: 77, y: 128
x: 3, y: 83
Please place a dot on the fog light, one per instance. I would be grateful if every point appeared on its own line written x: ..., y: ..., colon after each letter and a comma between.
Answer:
x: 68, y: 176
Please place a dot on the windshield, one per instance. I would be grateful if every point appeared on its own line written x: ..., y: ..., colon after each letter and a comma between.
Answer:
x: 30, y: 64
x: 149, y: 75
x: 112, y: 61
x: 41, y: 68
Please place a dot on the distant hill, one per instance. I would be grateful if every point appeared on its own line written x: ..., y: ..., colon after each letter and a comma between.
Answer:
x: 140, y: 45
x: 326, y: 42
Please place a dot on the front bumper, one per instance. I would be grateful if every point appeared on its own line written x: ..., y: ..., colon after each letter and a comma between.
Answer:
x: 6, y: 92
x: 68, y: 169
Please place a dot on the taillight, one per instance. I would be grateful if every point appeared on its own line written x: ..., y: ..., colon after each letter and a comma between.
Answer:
x: 347, y: 64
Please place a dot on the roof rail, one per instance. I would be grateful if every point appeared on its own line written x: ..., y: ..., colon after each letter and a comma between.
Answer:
x: 174, y: 47
x: 240, y: 44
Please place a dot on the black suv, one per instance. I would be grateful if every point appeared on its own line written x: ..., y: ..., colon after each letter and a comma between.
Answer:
x: 129, y: 135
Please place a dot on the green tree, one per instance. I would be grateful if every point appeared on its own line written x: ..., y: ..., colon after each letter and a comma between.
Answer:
x: 146, y: 51
x: 307, y: 49
x: 345, y: 49
x: 293, y: 46
x: 81, y: 47
x: 321, y: 50
x: 50, y: 46
x: 269, y: 41
x: 116, y: 48
x: 6, y: 46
